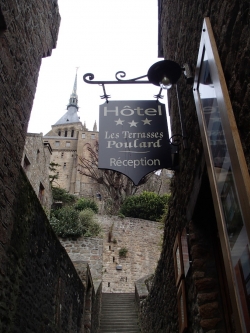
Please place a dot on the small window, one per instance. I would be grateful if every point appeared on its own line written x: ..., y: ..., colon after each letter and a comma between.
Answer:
x: 66, y: 134
x: 64, y: 165
x: 92, y: 136
x: 57, y: 143
x: 72, y: 133
x: 83, y: 135
x: 59, y: 133
x: 41, y: 193
x: 61, y: 154
x: 26, y: 164
x: 67, y: 144
x: 3, y: 26
x: 37, y: 155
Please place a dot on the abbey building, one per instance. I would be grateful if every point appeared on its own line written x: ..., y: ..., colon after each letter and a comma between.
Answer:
x: 69, y: 140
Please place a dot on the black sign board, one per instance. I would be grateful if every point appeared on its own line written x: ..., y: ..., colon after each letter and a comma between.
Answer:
x: 133, y: 138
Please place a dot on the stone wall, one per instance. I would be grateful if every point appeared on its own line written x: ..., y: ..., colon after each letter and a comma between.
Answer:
x: 93, y: 297
x: 89, y: 250
x: 30, y: 34
x: 142, y: 239
x: 35, y: 162
x: 191, y: 205
x: 40, y: 290
x: 159, y: 311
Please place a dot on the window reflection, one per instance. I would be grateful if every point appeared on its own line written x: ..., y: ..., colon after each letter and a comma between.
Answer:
x: 220, y: 156
x: 228, y: 196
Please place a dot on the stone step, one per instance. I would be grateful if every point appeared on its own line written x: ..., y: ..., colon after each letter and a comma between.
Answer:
x: 118, y: 296
x: 113, y: 305
x: 120, y: 320
x: 119, y: 324
x: 124, y: 295
x: 118, y: 301
x: 123, y: 301
x: 110, y: 330
x: 119, y: 327
x: 112, y: 308
x: 119, y: 313
x: 104, y: 302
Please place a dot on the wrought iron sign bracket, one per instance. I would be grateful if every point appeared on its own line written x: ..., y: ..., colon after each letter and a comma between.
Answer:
x: 89, y: 77
x: 163, y: 74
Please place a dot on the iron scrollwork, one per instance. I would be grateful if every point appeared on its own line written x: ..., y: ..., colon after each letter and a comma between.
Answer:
x: 120, y: 75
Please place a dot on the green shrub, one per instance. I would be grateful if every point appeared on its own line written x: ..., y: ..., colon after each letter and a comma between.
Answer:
x: 84, y: 203
x: 68, y: 222
x: 60, y: 194
x: 65, y: 222
x: 123, y: 252
x: 148, y: 206
x: 90, y: 228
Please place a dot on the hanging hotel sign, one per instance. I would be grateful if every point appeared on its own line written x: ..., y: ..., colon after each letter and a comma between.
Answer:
x: 133, y: 138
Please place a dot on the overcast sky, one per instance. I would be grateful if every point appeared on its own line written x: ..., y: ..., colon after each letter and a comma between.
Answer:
x: 100, y: 37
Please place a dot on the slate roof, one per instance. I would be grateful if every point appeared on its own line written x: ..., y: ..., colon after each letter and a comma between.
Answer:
x: 70, y: 116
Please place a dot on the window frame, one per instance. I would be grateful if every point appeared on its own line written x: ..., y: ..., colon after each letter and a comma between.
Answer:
x: 235, y: 152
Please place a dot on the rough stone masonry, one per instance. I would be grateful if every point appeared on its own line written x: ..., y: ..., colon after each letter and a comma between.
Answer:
x: 141, y: 238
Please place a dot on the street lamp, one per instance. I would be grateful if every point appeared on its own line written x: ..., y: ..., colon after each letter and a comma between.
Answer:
x: 164, y: 73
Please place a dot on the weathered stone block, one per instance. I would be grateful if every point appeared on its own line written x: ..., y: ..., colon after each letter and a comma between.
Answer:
x: 209, y: 310
x: 205, y: 284
x: 209, y: 324
x: 198, y: 275
x: 207, y: 297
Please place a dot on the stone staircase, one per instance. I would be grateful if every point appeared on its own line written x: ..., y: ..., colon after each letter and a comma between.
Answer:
x: 119, y: 314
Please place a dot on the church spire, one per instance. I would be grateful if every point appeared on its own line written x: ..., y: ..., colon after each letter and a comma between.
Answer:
x: 75, y: 83
x: 71, y: 115
x: 73, y: 101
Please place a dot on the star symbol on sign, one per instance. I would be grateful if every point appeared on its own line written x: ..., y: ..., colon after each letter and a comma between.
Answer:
x: 119, y: 122
x: 146, y: 121
x: 133, y: 123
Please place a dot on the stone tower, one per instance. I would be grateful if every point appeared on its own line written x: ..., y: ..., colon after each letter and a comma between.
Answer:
x: 68, y: 138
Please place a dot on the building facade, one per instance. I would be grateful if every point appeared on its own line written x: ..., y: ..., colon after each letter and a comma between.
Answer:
x: 202, y: 280
x: 35, y: 162
x: 70, y: 139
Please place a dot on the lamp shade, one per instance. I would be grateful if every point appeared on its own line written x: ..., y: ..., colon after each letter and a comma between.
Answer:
x: 164, y: 69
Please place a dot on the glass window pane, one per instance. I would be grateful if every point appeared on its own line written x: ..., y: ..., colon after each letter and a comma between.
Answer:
x: 228, y: 196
